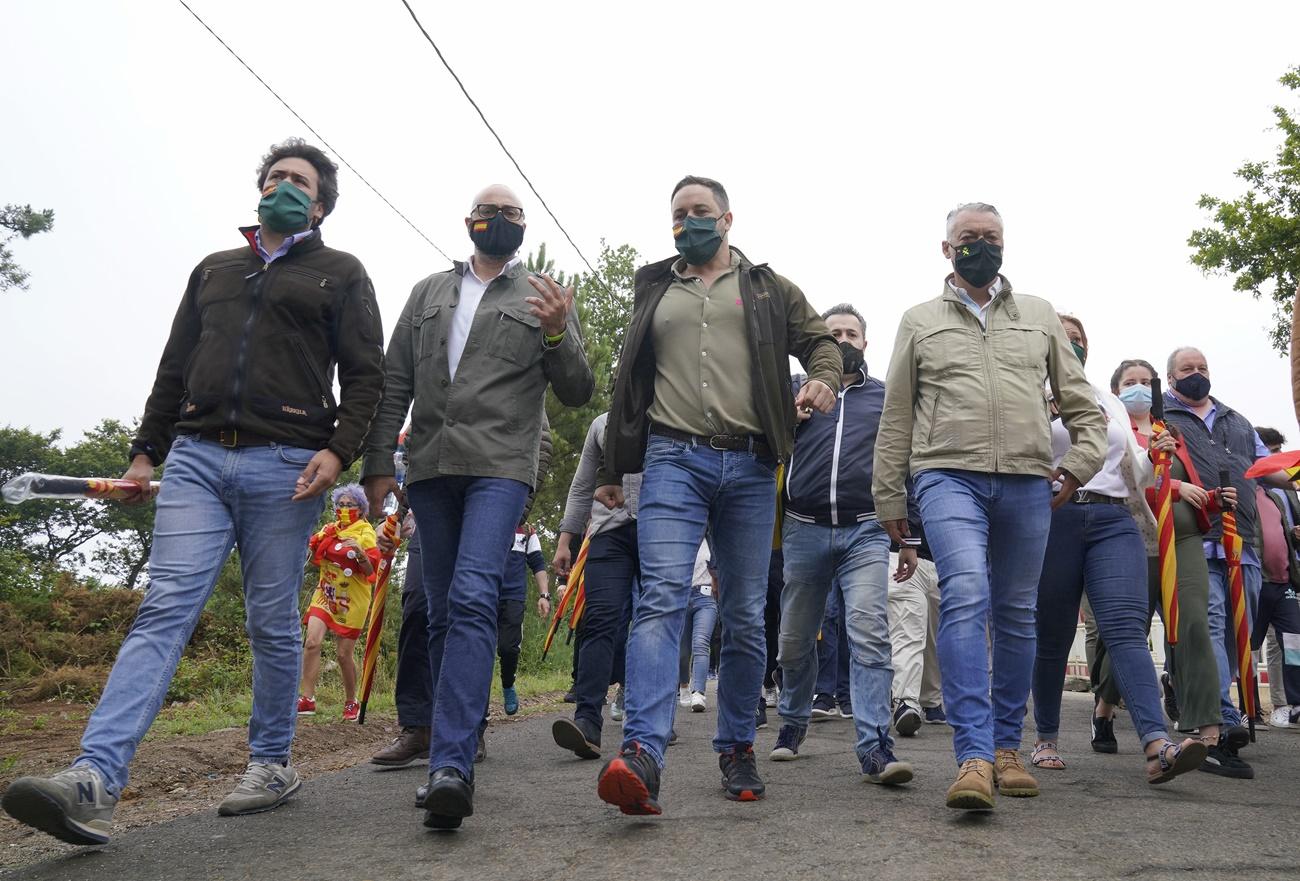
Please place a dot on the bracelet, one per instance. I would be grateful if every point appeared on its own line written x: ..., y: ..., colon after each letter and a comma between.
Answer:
x: 553, y: 340
x: 543, y: 596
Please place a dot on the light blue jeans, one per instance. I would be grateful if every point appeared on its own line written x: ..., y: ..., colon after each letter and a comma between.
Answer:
x: 685, y: 488
x: 213, y: 498
x: 703, y: 612
x: 856, y: 558
x: 1222, y: 639
x: 988, y: 533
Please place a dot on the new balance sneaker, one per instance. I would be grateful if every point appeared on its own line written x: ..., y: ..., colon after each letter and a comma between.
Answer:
x: 907, y: 721
x: 409, y: 747
x: 616, y: 709
x: 788, y: 741
x: 351, y: 710
x: 881, y: 766
x: 630, y: 781
x: 935, y: 716
x: 1171, y: 697
x: 73, y: 805
x: 740, y: 774
x: 698, y: 703
x: 1103, y: 735
x: 760, y: 716
x: 683, y: 696
x: 823, y: 708
x: 449, y: 799
x: 578, y: 736
x: 306, y: 706
x: 1224, y: 761
x: 265, y: 786
x: 770, y: 696
x: 510, y: 698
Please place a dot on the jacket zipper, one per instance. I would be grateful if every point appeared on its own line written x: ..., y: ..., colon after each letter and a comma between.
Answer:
x: 835, y: 456
x: 241, y: 361
x: 995, y: 431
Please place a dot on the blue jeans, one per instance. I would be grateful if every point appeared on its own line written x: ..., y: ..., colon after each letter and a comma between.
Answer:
x: 703, y: 612
x: 685, y: 488
x: 833, y: 651
x: 1224, y: 640
x: 856, y: 558
x: 467, y: 527
x: 1096, y: 548
x: 610, y: 580
x: 988, y: 533
x: 212, y: 499
x: 413, y: 692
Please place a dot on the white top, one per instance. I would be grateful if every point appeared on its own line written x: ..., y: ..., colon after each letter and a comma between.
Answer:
x: 981, y: 313
x: 526, y: 543
x: 701, y: 578
x: 1120, y: 440
x: 471, y: 294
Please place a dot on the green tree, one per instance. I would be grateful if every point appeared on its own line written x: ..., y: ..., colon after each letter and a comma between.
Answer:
x: 1256, y: 238
x: 19, y: 220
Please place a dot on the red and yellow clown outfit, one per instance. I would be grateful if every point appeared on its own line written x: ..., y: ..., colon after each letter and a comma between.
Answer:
x: 342, y: 598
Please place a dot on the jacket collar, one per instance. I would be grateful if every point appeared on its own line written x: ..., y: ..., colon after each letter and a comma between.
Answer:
x: 514, y: 270
x: 1004, y: 296
x: 663, y: 270
x: 311, y: 243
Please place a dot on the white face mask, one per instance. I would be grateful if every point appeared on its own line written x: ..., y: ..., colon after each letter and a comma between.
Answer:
x: 1137, y: 399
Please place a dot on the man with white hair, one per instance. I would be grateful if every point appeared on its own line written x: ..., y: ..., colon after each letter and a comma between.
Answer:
x: 472, y: 355
x: 965, y: 415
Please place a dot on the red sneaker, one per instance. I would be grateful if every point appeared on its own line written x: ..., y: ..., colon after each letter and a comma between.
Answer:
x: 306, y: 706
x: 351, y: 710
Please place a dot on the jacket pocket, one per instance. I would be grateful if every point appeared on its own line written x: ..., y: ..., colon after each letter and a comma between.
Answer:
x: 220, y: 283
x: 426, y: 334
x: 945, y: 350
x: 1025, y: 346
x: 517, y: 336
x: 316, y: 382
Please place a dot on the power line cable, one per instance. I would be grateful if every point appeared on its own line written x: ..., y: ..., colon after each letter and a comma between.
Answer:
x: 505, y: 149
x: 321, y: 138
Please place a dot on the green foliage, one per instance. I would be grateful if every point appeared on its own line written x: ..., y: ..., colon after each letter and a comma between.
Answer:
x: 1256, y: 238
x: 19, y: 220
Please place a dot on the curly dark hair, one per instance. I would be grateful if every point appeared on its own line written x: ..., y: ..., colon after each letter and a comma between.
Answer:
x: 297, y: 148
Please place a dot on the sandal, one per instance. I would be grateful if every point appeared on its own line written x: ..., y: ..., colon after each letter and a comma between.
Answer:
x: 1173, y: 759
x: 1038, y: 760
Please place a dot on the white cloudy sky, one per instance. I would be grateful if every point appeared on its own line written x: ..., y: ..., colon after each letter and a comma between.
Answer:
x: 844, y: 133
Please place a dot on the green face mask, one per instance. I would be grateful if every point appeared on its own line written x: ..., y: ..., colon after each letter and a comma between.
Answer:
x: 285, y: 209
x: 1080, y: 352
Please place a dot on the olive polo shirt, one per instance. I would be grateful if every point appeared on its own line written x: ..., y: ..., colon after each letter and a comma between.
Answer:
x: 703, y: 374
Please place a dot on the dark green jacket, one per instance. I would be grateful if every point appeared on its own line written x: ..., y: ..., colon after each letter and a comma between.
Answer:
x: 254, y: 347
x: 488, y: 421
x: 781, y: 324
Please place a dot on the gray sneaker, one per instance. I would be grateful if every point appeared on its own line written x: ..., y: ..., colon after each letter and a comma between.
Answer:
x: 265, y: 786
x: 73, y: 805
x: 616, y: 708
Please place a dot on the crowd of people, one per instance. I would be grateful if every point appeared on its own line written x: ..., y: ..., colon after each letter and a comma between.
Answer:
x: 898, y: 551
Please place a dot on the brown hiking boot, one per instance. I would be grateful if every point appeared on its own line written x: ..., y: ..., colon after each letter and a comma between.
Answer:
x: 973, y: 789
x: 1012, y: 778
x: 409, y: 747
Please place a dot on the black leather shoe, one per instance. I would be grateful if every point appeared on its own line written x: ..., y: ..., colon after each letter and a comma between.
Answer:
x: 450, y: 799
x: 578, y: 736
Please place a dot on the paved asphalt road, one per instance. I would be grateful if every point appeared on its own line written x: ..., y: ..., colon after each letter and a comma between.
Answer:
x: 538, y: 818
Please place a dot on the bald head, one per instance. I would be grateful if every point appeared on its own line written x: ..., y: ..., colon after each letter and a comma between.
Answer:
x: 496, y: 194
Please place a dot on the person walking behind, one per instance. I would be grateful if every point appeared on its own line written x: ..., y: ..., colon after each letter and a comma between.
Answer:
x: 697, y: 635
x: 1095, y: 547
x: 525, y: 556
x: 913, y: 621
x: 473, y: 353
x: 965, y: 416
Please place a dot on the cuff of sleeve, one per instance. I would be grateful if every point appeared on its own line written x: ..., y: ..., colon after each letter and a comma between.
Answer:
x: 378, y: 464
x: 141, y: 447
x: 894, y: 509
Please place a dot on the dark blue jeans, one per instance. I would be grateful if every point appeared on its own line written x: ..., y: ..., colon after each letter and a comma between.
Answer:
x: 414, y: 690
x: 611, y: 572
x: 833, y: 651
x: 467, y: 526
x: 1096, y: 548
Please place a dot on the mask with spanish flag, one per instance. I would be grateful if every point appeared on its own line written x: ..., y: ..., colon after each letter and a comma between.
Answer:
x: 347, y: 516
x: 496, y: 237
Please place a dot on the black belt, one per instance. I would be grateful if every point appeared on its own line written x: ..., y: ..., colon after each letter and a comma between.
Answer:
x: 236, y: 437
x: 731, y: 442
x: 1087, y: 497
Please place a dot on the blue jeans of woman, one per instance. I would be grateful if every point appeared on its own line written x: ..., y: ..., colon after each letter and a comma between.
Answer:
x: 702, y: 613
x: 1096, y: 548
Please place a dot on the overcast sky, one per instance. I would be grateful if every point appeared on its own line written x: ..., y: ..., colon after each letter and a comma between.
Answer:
x: 843, y: 134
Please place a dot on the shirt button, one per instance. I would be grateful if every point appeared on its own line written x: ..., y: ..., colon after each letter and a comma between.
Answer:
x: 705, y: 324
x: 704, y: 354
x: 706, y: 385
x: 444, y: 383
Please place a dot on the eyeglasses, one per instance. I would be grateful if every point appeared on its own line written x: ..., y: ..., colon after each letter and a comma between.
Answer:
x: 487, y: 212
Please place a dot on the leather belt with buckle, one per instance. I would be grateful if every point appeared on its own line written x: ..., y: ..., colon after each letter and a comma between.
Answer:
x: 1087, y: 497
x: 235, y: 437
x: 722, y: 442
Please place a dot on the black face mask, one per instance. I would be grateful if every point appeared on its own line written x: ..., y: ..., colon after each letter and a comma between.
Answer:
x: 497, y: 237
x: 854, y: 358
x: 1193, y: 386
x: 978, y: 262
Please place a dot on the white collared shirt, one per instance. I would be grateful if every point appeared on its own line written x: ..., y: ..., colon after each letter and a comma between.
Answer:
x: 471, y: 294
x: 981, y: 313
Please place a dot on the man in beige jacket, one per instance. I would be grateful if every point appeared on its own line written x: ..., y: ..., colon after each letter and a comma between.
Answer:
x: 965, y: 415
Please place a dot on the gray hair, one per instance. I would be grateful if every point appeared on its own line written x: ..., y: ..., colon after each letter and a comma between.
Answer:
x: 977, y: 207
x: 1173, y: 356
x: 846, y: 309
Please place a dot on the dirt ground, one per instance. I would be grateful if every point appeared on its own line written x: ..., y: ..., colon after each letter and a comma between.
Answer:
x: 175, y: 776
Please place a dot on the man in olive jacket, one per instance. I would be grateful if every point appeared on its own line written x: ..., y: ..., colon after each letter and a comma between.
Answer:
x: 966, y: 416
x: 472, y: 354
x: 243, y: 412
x: 703, y: 404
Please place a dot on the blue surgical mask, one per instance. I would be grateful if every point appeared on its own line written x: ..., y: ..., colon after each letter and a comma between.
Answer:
x: 1137, y: 399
